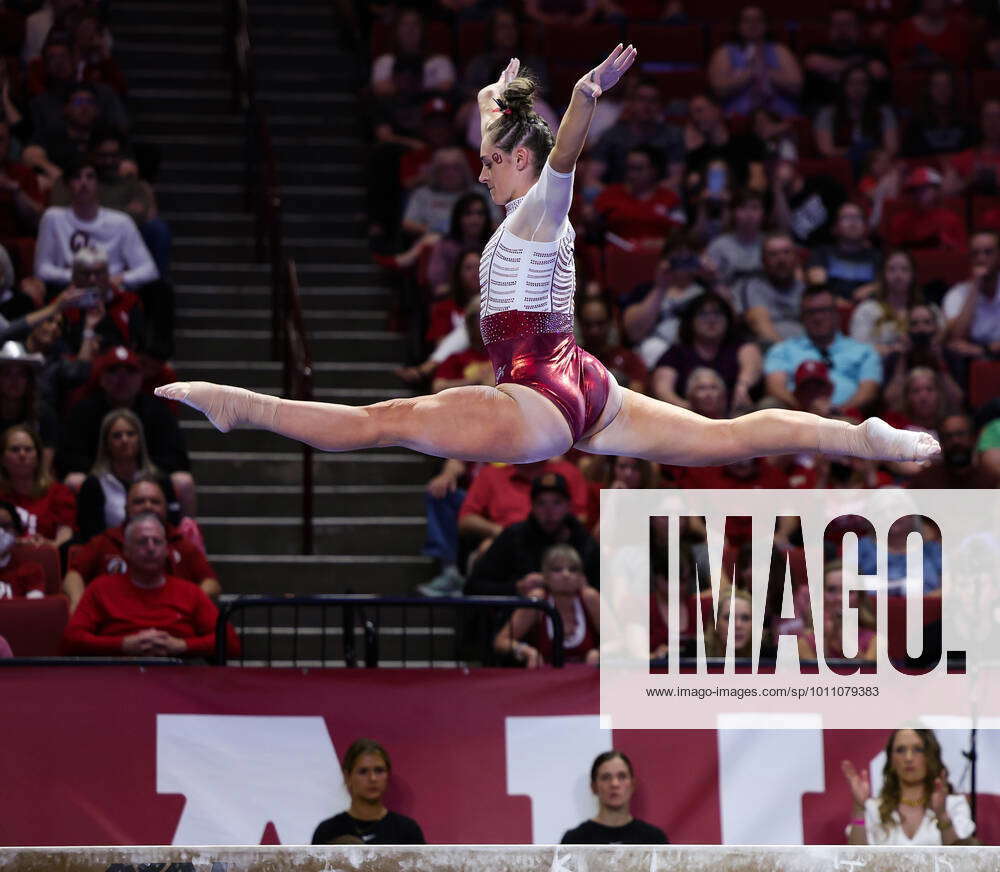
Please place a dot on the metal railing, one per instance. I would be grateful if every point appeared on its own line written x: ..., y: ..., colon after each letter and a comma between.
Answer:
x: 289, y: 342
x: 300, y: 631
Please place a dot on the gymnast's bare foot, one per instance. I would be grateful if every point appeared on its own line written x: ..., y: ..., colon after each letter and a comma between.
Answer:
x: 225, y: 406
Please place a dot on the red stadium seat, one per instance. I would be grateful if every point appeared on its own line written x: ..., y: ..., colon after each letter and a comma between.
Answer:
x: 937, y: 265
x: 670, y: 45
x: 638, y: 9
x: 438, y: 38
x: 623, y: 270
x: 46, y: 556
x: 985, y: 212
x: 812, y: 34
x: 984, y: 382
x: 838, y: 168
x: 590, y: 44
x: 34, y: 627
x: 985, y: 83
x: 899, y: 204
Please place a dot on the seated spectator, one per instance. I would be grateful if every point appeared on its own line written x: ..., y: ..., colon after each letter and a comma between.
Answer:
x: 641, y: 210
x: 708, y: 337
x: 594, y: 318
x: 736, y: 608
x: 17, y: 298
x: 988, y: 448
x: 366, y: 775
x: 66, y: 114
x: 771, y: 300
x: 925, y: 402
x: 21, y: 202
x: 437, y: 130
x: 144, y: 612
x: 51, y: 14
x: 736, y: 254
x: 972, y: 307
x: 851, y: 262
x: 659, y: 604
x: 854, y: 367
x: 924, y: 222
x: 18, y: 578
x: 118, y: 376
x: 959, y: 466
x: 91, y: 52
x: 881, y: 180
x: 470, y: 228
x: 122, y: 459
x: 469, y: 367
x: 123, y: 192
x: 443, y: 498
x: 20, y: 402
x: 565, y: 588
x: 706, y: 393
x: 916, y: 805
x: 102, y: 555
x: 880, y: 318
x: 921, y: 346
x: 826, y: 64
x: 833, y: 622
x: 115, y: 315
x: 805, y: 208
x: 813, y: 388
x: 612, y: 781
x: 503, y: 42
x: 47, y: 508
x: 939, y: 125
x: 779, y: 136
x: 651, y: 313
x: 857, y: 122
x: 641, y: 123
x: 897, y: 567
x: 977, y: 170
x: 437, y: 71
x: 753, y: 72
x: 708, y: 137
x: 511, y: 565
x: 429, y: 208
x: 934, y: 36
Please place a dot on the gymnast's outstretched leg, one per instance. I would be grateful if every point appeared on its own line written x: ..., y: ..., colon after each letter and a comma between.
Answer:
x: 512, y: 423
x: 658, y: 431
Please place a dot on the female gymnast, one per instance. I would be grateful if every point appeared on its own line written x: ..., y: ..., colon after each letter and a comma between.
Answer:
x: 550, y: 395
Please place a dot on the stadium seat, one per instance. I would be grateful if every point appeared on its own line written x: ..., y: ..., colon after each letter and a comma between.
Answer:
x: 438, y: 38
x: 985, y: 212
x: 34, y: 627
x: 937, y: 265
x: 47, y: 556
x: 587, y: 45
x: 984, y: 382
x: 678, y: 84
x: 624, y: 270
x: 838, y: 168
x: 899, y: 204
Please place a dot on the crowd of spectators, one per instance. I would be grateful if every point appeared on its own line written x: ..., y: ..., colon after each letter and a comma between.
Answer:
x: 799, y: 210
x: 86, y: 331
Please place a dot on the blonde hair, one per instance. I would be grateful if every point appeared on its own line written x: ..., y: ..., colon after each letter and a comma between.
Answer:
x: 716, y: 646
x: 102, y: 463
x: 562, y: 552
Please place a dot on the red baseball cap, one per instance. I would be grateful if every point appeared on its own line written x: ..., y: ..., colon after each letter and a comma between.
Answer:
x: 117, y: 356
x: 923, y: 176
x: 812, y: 371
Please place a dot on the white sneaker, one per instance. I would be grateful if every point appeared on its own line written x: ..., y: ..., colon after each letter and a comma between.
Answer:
x: 449, y: 582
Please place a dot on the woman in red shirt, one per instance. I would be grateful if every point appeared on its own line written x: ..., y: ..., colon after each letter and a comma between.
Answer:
x: 47, y: 507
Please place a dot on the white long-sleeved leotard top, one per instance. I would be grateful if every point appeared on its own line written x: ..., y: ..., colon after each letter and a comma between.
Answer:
x: 528, y: 265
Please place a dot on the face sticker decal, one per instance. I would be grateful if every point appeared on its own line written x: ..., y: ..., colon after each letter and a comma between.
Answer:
x: 496, y: 157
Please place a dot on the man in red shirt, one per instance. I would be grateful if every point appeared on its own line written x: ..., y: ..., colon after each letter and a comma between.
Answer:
x: 144, y: 612
x: 935, y: 36
x: 105, y: 553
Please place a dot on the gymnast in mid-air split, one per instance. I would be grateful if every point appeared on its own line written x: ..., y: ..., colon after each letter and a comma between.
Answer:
x: 550, y: 395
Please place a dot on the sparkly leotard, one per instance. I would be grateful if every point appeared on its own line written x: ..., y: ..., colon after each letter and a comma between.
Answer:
x: 526, y: 312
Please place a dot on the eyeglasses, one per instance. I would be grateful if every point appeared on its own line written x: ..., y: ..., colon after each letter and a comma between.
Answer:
x: 818, y: 310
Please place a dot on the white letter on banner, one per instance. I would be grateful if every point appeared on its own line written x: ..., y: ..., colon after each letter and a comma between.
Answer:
x: 548, y: 760
x: 240, y: 772
x: 762, y: 769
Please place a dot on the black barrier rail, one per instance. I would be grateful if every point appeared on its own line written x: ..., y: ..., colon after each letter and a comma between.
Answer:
x: 298, y: 631
x: 93, y: 661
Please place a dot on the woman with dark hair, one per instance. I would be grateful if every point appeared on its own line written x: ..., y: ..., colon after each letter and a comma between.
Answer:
x: 20, y: 402
x: 858, y: 122
x: 366, y: 775
x: 47, y: 507
x: 916, y: 805
x: 550, y: 394
x: 470, y: 228
x: 708, y: 336
x: 752, y: 71
x: 612, y: 781
x: 939, y: 127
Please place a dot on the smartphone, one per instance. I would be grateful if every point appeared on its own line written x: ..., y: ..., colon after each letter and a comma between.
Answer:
x: 90, y: 298
x: 716, y: 180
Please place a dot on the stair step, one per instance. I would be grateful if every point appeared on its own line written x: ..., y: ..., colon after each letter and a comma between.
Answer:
x: 313, y: 298
x: 269, y: 374
x: 375, y: 346
x: 227, y: 500
x: 332, y: 535
x: 284, y: 467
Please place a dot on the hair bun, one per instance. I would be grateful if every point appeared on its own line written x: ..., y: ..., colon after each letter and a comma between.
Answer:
x: 519, y: 96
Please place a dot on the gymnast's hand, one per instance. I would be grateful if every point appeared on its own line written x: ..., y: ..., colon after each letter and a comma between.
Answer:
x: 606, y: 75
x: 492, y: 92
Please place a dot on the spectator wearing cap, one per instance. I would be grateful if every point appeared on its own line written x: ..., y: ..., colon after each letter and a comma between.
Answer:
x: 118, y: 376
x: 47, y: 507
x: 18, y: 578
x: 854, y: 367
x: 851, y: 262
x: 594, y: 318
x: 104, y: 554
x: 924, y: 222
x: 972, y: 308
x: 709, y: 337
x: 20, y: 400
x: 771, y: 300
x: 512, y: 564
x: 959, y: 467
x: 813, y: 388
x: 144, y: 612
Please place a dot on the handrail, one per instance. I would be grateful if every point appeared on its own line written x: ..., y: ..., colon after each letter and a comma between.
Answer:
x: 352, y: 603
x: 289, y: 343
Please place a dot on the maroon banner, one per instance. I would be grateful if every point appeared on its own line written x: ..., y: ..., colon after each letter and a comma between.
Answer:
x: 229, y: 756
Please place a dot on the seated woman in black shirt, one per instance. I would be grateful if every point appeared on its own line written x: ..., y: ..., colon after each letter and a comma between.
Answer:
x: 366, y: 774
x: 613, y: 782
